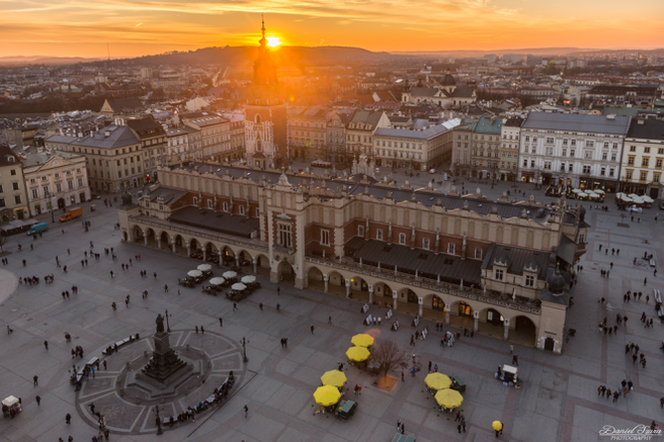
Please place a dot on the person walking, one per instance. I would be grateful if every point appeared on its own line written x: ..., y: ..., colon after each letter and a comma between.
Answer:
x: 68, y: 419
x: 235, y: 306
x: 645, y: 281
x: 35, y: 380
x: 165, y: 288
x: 155, y: 276
x: 329, y: 320
x: 46, y: 345
x: 38, y: 399
x: 515, y: 360
x: 312, y: 329
x: 511, y: 349
x: 221, y: 322
x: 246, y: 410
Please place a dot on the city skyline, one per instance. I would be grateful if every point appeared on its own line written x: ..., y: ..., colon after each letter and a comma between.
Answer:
x: 122, y: 28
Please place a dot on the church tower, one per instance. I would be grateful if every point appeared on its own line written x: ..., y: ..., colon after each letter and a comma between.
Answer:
x: 265, y: 113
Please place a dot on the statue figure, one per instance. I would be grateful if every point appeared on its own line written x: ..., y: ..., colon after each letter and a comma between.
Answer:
x: 160, y: 323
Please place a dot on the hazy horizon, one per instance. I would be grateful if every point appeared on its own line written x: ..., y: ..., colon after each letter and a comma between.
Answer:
x: 131, y: 28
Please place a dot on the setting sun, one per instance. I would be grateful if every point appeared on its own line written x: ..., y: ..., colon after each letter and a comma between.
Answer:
x: 273, y: 42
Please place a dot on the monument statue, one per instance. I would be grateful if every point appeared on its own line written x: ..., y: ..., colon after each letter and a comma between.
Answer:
x: 160, y: 323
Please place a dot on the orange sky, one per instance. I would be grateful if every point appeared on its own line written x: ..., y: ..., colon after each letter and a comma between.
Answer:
x: 140, y: 27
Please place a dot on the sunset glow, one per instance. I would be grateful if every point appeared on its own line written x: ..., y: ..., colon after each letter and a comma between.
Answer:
x: 273, y: 42
x: 140, y: 27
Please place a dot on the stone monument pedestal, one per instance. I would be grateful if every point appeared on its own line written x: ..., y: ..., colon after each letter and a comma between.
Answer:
x: 164, y: 363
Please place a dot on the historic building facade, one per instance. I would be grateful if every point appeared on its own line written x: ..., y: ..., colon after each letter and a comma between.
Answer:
x: 465, y: 261
x: 643, y: 158
x: 55, y: 180
x: 571, y: 149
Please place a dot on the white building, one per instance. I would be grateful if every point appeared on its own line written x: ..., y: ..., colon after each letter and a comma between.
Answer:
x: 55, y: 180
x: 570, y: 149
x: 414, y: 149
x: 643, y: 158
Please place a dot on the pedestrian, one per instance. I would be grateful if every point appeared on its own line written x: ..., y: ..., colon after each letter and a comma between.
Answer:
x: 312, y: 329
x: 403, y: 379
x: 155, y: 276
x: 46, y: 345
x: 166, y: 288
x: 38, y: 399
x: 221, y: 322
x: 35, y: 380
x: 68, y: 419
x: 645, y: 281
x: 178, y: 292
x: 329, y: 320
x: 515, y: 360
x: 202, y: 329
x: 246, y: 410
x: 196, y: 329
x: 511, y: 349
x: 234, y: 306
x: 105, y: 365
x: 278, y: 291
x: 278, y: 308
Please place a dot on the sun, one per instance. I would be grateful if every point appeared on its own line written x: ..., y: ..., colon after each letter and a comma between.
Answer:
x: 273, y: 42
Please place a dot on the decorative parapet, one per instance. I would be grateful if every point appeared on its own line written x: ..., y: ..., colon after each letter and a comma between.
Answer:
x: 429, y: 284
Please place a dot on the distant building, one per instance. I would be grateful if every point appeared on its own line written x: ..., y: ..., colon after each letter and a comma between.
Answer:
x: 485, y: 147
x: 55, y: 180
x: 445, y: 95
x: 414, y: 149
x: 571, y: 149
x: 509, y: 148
x: 146, y: 72
x: 114, y: 154
x: 360, y: 131
x: 13, y: 199
x: 122, y: 107
x: 643, y: 158
x: 266, y: 120
x: 215, y: 133
x: 154, y: 143
x: 307, y: 132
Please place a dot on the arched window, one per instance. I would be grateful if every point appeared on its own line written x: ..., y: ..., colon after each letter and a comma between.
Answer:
x: 195, y: 201
x: 209, y: 204
x: 241, y: 208
x: 257, y: 119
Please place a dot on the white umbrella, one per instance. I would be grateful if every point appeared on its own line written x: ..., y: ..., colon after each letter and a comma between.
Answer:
x: 217, y: 281
x: 626, y: 199
x: 576, y: 190
x: 229, y: 274
x: 633, y: 195
x: 248, y: 279
x: 648, y: 200
x: 582, y: 194
x: 620, y: 195
x: 204, y: 267
x: 592, y: 195
x: 600, y: 191
x: 195, y: 273
x: 238, y: 286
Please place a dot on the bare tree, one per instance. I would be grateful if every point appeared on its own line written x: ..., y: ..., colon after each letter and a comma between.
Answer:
x: 390, y: 356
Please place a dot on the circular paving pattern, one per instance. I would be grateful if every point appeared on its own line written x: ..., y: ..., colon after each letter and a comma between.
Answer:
x: 129, y: 409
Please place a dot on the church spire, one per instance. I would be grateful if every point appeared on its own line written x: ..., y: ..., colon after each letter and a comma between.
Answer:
x: 263, y: 40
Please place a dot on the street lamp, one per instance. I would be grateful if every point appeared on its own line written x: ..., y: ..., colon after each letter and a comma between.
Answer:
x: 159, y: 430
x: 244, y: 350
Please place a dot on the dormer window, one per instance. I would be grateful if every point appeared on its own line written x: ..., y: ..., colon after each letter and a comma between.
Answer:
x: 499, y: 274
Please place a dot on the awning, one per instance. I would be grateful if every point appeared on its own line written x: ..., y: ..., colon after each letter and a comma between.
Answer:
x: 567, y: 250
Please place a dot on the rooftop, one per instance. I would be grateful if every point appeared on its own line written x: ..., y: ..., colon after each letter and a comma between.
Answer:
x: 614, y: 125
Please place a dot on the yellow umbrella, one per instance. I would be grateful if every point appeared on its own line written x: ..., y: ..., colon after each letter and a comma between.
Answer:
x: 497, y: 425
x: 362, y: 340
x: 357, y: 354
x: 334, y: 378
x: 327, y: 395
x: 437, y: 381
x: 449, y: 398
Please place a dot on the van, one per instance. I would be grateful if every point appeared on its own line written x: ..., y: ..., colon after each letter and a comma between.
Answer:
x: 38, y: 228
x: 70, y: 214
